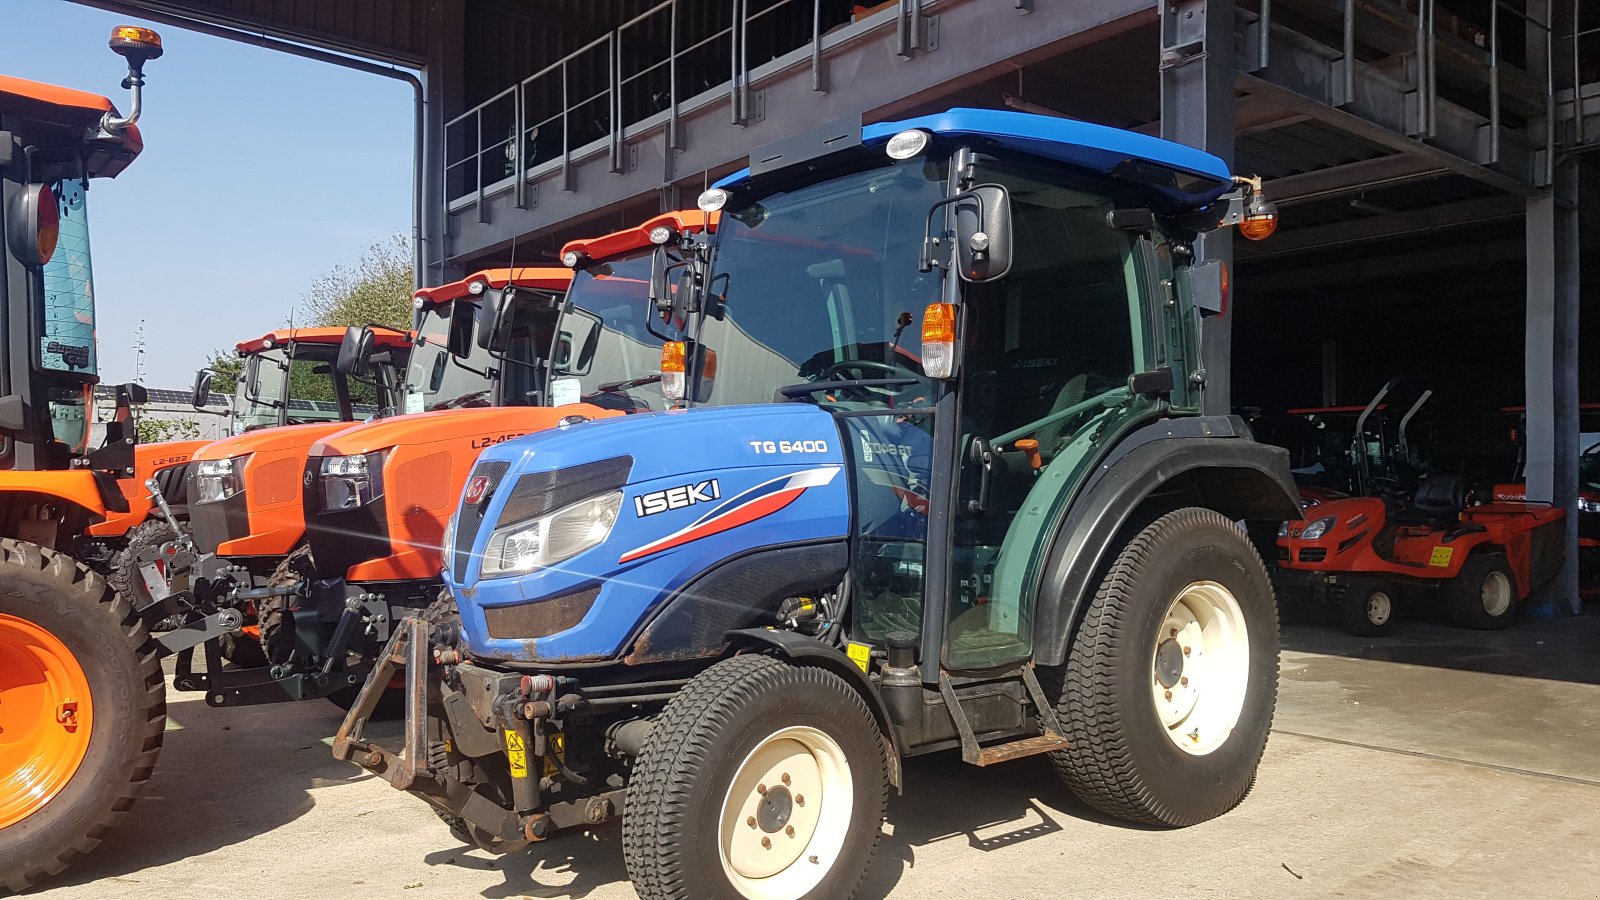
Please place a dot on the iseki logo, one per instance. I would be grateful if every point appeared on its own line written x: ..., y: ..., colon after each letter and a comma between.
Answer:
x: 477, y: 488
x: 676, y: 498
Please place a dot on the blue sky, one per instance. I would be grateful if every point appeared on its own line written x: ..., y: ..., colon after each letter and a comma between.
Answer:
x: 260, y: 172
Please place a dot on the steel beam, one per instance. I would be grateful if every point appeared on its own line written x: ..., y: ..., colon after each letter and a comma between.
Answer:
x: 1307, y: 77
x: 1197, y: 108
x: 1370, y: 228
x: 1366, y: 175
x: 978, y: 40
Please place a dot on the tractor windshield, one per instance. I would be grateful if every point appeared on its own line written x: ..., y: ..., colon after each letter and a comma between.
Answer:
x: 605, y: 353
x: 294, y: 389
x: 821, y: 284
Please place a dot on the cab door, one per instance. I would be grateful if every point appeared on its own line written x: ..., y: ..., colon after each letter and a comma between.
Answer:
x: 1047, y: 356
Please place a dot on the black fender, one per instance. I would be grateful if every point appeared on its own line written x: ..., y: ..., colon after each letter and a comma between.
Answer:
x: 1206, y: 461
x: 808, y: 651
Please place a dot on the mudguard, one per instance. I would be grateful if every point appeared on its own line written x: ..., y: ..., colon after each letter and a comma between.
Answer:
x: 1210, y: 457
x: 811, y: 652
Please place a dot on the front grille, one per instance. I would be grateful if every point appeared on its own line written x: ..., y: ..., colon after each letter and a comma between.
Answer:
x: 470, y: 518
x: 540, y: 618
x: 171, y: 482
x: 1313, y: 554
x: 343, y: 538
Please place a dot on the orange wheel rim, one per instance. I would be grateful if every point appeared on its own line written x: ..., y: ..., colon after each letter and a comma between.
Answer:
x: 46, y: 717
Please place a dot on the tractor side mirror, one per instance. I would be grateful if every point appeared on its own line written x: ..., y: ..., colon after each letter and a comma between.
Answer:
x: 202, y: 388
x: 132, y: 394
x: 252, y: 369
x: 658, y: 283
x: 498, y: 307
x: 355, y: 351
x: 983, y: 233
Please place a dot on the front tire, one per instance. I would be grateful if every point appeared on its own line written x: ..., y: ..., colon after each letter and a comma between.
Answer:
x: 1367, y: 607
x: 762, y: 781
x: 1483, y: 595
x: 1169, y: 687
x: 82, y: 711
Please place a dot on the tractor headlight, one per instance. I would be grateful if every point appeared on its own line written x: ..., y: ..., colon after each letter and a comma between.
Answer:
x: 218, y: 479
x: 1588, y: 506
x: 447, y: 543
x: 1317, y: 529
x: 351, y: 482
x: 522, y: 547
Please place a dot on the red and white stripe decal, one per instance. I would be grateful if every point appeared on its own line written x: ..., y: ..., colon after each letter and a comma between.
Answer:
x: 772, y: 496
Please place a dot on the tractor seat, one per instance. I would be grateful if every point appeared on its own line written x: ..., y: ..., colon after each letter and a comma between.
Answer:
x: 1438, y: 502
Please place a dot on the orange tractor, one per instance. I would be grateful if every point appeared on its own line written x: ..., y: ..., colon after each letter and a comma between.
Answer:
x: 82, y: 703
x: 291, y: 638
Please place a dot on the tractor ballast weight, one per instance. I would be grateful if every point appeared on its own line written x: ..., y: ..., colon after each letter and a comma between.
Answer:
x: 727, y: 621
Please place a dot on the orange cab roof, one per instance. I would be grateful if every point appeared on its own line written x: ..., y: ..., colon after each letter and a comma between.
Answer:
x: 607, y: 246
x: 67, y: 106
x: 383, y: 337
x: 542, y: 278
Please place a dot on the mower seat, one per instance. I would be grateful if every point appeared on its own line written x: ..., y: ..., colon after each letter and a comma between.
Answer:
x: 1437, y: 503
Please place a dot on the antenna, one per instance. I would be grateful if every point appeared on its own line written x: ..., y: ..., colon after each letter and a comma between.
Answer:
x: 138, y: 354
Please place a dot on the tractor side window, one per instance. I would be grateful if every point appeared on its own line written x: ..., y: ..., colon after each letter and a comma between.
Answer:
x: 604, y: 352
x: 67, y: 341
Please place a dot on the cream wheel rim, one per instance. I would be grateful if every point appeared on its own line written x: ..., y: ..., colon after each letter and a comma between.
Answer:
x: 1201, y: 667
x: 1496, y: 594
x: 1379, y: 608
x: 786, y: 814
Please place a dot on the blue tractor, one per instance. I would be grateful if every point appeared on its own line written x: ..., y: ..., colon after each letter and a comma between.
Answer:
x: 937, y: 477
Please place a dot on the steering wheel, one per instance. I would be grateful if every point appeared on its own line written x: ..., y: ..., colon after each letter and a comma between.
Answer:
x: 852, y: 369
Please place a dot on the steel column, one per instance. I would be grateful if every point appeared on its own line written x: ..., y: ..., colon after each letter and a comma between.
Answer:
x: 1197, y: 108
x: 1552, y: 368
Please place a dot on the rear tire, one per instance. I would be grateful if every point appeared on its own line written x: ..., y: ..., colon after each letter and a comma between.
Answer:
x: 1367, y: 607
x: 127, y: 709
x: 1170, y: 682
x: 1483, y: 595
x: 703, y: 776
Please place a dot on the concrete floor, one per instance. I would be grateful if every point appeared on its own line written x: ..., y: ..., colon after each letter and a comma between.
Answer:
x: 1433, y: 763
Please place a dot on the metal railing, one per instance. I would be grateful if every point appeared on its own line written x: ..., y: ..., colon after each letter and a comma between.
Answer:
x: 645, y: 67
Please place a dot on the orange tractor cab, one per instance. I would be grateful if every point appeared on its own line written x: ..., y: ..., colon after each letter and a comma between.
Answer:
x: 286, y: 377
x: 258, y: 530
x: 82, y: 705
x: 1359, y: 553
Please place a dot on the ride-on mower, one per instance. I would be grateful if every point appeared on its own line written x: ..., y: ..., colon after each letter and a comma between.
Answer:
x: 1357, y: 553
x: 82, y: 704
x: 730, y: 621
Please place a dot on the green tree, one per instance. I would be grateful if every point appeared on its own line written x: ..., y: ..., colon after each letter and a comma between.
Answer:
x: 377, y: 290
x: 229, y: 368
x: 154, y: 431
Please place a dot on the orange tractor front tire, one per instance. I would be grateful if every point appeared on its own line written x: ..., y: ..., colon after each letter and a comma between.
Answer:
x: 82, y: 711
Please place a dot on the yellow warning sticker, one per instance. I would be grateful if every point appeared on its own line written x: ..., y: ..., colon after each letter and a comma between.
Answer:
x: 517, y: 753
x: 860, y: 654
x: 1441, y: 556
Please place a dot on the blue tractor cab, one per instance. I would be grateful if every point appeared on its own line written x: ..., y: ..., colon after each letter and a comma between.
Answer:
x: 935, y: 476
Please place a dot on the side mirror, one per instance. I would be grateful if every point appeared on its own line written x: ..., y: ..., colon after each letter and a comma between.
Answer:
x: 463, y: 318
x: 252, y: 369
x: 983, y: 233
x: 355, y: 351
x: 202, y: 388
x: 494, y: 334
x: 658, y: 283
x: 682, y: 296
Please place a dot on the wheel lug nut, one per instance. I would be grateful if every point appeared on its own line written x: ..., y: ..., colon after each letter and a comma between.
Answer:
x: 1184, y: 681
x: 800, y: 799
x: 789, y: 830
x: 1168, y: 694
x: 1172, y: 632
x: 786, y: 778
x: 766, y: 843
x: 761, y: 789
x: 1186, y: 651
x: 751, y: 821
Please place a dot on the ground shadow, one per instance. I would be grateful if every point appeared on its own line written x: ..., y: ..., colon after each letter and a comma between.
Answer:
x: 1557, y: 649
x: 224, y: 776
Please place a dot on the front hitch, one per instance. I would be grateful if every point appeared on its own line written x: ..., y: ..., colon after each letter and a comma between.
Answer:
x: 408, y: 648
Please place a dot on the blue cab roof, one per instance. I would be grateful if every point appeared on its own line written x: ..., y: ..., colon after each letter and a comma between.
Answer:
x: 1197, y: 179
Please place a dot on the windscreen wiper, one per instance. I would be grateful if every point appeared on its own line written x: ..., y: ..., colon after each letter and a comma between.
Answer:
x: 630, y: 383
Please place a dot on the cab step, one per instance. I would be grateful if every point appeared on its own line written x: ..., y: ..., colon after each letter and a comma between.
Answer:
x: 999, y: 753
x: 1050, y: 738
